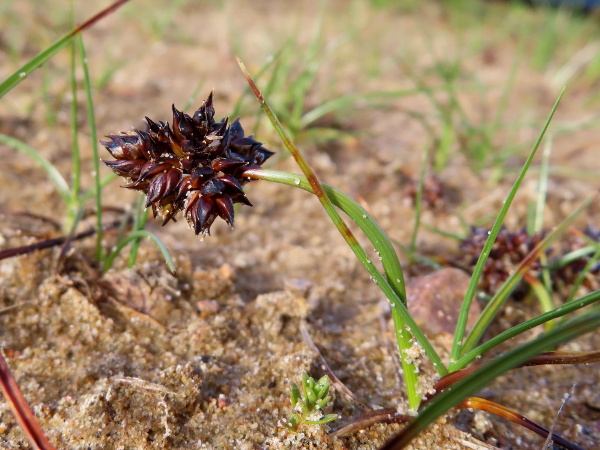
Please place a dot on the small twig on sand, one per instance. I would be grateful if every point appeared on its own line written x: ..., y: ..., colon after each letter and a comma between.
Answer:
x: 21, y: 409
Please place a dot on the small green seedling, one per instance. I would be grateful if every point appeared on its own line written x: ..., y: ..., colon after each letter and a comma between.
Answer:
x: 315, y: 398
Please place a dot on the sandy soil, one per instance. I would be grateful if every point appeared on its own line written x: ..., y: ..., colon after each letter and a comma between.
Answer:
x: 138, y: 358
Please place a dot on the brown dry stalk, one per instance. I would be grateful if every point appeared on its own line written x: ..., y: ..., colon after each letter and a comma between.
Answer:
x: 96, y: 18
x: 501, y: 411
x: 49, y: 243
x: 21, y: 409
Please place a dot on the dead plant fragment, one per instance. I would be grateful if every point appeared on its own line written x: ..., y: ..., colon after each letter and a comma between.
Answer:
x: 196, y: 166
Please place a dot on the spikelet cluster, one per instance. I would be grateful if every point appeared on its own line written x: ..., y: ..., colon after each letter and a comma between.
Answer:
x: 509, y: 250
x: 195, y: 166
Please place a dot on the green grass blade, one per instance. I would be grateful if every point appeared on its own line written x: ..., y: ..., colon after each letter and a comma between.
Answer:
x: 272, y: 60
x: 139, y: 222
x: 94, y: 137
x: 581, y: 275
x: 192, y: 98
x: 504, y: 291
x: 132, y: 237
x: 350, y: 100
x: 403, y: 339
x: 75, y: 150
x: 74, y: 205
x: 560, y: 311
x: 483, y: 376
x: 103, y: 183
x: 542, y: 294
x: 418, y: 206
x: 54, y: 175
x: 457, y: 344
x: 38, y: 60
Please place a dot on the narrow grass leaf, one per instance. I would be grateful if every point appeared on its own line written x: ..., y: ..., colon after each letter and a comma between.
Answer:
x: 139, y: 222
x: 593, y: 261
x: 96, y: 159
x: 38, y: 60
x: 132, y: 237
x: 347, y: 101
x: 53, y: 174
x: 457, y: 344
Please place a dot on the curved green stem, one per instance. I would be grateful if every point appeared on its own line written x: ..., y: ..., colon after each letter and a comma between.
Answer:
x: 380, y: 241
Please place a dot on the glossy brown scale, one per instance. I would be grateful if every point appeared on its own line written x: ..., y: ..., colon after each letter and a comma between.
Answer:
x: 195, y: 167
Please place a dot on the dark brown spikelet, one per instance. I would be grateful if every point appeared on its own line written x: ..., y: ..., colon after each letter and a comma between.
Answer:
x: 508, y: 251
x: 195, y: 166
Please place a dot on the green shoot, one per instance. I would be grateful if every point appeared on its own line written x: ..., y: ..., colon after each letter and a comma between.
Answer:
x: 308, y: 403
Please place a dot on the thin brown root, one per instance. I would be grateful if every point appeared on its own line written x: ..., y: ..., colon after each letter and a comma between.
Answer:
x: 386, y: 415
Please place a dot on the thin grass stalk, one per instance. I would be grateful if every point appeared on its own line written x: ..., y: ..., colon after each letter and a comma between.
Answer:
x: 545, y: 300
x: 53, y: 174
x: 349, y: 100
x: 273, y: 59
x: 139, y: 222
x: 132, y: 237
x: 378, y: 238
x: 542, y: 294
x: 75, y: 150
x: 94, y: 138
x: 105, y: 181
x: 457, y: 344
x: 504, y: 291
x: 581, y: 275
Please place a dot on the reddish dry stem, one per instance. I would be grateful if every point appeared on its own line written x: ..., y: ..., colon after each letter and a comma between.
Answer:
x: 21, y: 410
x: 92, y: 20
x: 508, y: 414
x: 558, y: 357
x: 49, y: 243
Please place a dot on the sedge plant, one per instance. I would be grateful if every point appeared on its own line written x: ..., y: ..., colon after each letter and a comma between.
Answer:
x: 205, y: 186
x: 465, y: 348
x: 199, y: 167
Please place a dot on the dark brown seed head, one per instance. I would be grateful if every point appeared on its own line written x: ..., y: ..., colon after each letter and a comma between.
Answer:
x: 195, y: 167
x: 508, y: 251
